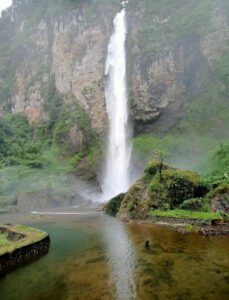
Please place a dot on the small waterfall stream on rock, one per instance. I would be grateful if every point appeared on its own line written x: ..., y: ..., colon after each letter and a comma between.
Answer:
x: 116, y: 177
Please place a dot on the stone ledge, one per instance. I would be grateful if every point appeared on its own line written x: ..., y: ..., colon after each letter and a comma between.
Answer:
x: 27, y: 251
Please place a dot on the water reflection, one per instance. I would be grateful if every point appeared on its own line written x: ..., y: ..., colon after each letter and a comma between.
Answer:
x: 121, y: 257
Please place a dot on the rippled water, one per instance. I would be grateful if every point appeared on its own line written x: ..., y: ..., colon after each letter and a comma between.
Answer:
x: 98, y: 257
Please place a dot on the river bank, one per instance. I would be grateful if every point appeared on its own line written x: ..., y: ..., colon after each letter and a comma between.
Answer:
x: 185, y: 226
x: 93, y: 256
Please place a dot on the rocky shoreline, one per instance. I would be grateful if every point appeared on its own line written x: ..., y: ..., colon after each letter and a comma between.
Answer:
x: 185, y: 226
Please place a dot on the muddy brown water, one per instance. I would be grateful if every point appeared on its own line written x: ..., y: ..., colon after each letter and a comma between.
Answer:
x: 93, y: 256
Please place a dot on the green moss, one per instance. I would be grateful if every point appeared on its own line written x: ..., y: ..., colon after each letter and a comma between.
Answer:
x: 113, y: 206
x: 131, y: 207
x: 173, y: 187
x: 29, y: 235
x: 26, y: 229
x: 3, y: 240
x: 219, y: 199
x: 161, y: 187
x: 181, y: 176
x: 196, y: 204
x: 189, y: 227
x: 154, y: 166
x: 221, y: 190
x: 166, y: 191
x: 180, y: 213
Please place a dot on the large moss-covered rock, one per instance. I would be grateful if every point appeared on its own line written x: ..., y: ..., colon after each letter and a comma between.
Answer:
x: 161, y: 187
x: 219, y: 198
x: 112, y: 207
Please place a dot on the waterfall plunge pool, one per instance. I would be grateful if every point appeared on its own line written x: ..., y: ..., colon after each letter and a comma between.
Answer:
x: 94, y: 256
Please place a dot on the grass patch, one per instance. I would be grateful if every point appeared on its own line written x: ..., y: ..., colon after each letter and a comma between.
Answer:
x: 32, y: 235
x: 3, y: 240
x: 180, y: 213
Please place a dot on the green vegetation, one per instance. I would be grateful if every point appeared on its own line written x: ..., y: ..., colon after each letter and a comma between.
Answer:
x: 215, y: 165
x: 26, y: 229
x: 196, y: 204
x: 219, y: 198
x: 53, y: 102
x: 202, y: 120
x: 3, y: 240
x: 16, y: 144
x: 53, y: 179
x: 113, y: 206
x: 40, y: 158
x: 170, y: 186
x: 166, y: 191
x: 74, y: 116
x: 203, y: 117
x: 173, y: 188
x: 162, y: 187
x: 27, y: 236
x: 25, y: 148
x: 157, y: 30
x: 181, y: 213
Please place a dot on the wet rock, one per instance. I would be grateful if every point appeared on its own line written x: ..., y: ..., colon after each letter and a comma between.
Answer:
x: 219, y: 198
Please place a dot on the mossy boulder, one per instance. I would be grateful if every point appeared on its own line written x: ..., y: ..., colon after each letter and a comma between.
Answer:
x: 135, y: 203
x: 161, y: 187
x: 173, y: 187
x: 219, y: 198
x: 112, y: 207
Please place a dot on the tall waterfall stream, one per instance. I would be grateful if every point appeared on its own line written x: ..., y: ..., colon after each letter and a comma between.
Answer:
x: 116, y: 177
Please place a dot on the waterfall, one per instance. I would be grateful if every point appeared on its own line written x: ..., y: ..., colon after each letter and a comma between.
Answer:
x: 116, y: 177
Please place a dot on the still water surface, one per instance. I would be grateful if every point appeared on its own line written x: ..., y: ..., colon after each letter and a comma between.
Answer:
x: 93, y: 256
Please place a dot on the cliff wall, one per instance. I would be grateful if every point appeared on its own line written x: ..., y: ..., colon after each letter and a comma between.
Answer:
x: 177, y: 64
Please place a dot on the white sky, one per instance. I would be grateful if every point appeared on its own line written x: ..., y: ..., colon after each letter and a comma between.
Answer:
x: 4, y: 4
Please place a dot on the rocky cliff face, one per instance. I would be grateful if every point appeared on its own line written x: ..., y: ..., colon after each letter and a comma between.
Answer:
x: 173, y: 51
x: 72, y: 48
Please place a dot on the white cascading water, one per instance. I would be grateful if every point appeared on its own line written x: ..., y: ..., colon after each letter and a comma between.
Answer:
x: 116, y: 177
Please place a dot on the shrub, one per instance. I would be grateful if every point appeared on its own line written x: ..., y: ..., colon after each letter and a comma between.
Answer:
x: 196, y: 204
x: 179, y: 185
x: 153, y: 166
